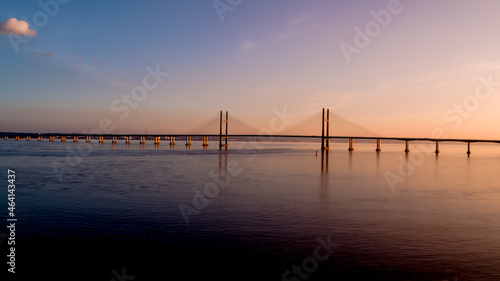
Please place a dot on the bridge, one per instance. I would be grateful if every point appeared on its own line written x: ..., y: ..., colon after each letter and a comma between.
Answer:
x: 223, y: 136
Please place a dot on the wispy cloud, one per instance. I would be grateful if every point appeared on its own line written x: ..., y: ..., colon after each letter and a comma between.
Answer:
x: 16, y: 27
x: 405, y: 81
x: 76, y: 62
x: 91, y: 65
x: 248, y: 45
x: 303, y: 18
x: 72, y: 61
x: 102, y: 62
x: 292, y: 28
x: 41, y: 54
x: 453, y: 74
x: 121, y: 84
x: 303, y: 23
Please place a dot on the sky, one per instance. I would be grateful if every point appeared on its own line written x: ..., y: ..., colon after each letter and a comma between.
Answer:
x: 397, y: 68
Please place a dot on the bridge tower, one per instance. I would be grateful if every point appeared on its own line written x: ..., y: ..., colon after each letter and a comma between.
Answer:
x: 223, y: 137
x: 325, y: 140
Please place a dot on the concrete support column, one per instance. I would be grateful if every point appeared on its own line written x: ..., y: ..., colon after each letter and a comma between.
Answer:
x: 437, y: 147
x: 63, y: 139
x: 172, y: 140
x: 51, y: 138
x: 40, y: 138
x: 75, y: 139
x: 351, y: 144
x: 127, y: 140
x: 407, y: 146
x: 468, y: 148
x: 17, y: 138
x: 114, y: 139
x: 378, y: 146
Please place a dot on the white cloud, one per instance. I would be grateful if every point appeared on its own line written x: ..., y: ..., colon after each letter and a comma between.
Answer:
x: 17, y: 27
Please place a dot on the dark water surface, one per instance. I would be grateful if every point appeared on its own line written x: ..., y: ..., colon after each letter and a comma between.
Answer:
x: 280, y: 212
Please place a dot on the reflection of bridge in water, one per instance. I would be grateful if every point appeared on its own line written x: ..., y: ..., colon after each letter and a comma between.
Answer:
x: 223, y: 135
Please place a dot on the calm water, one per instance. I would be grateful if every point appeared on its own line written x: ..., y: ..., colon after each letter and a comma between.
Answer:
x: 284, y: 213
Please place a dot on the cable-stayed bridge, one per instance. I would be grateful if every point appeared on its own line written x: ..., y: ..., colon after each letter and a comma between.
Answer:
x: 223, y: 127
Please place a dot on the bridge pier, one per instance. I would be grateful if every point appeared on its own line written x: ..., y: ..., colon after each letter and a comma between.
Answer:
x: 127, y: 140
x: 437, y: 147
x: 114, y: 139
x: 51, y: 138
x: 17, y: 138
x: 468, y: 148
x: 407, y: 146
x: 172, y: 140
x: 88, y: 139
x: 63, y: 139
x: 28, y: 138
x: 143, y: 140
x: 75, y: 139
x: 157, y: 140
x: 378, y: 146
x: 6, y: 138
x: 325, y: 136
x: 40, y: 138
x: 101, y: 139
x: 188, y: 140
x: 351, y: 144
x: 205, y: 142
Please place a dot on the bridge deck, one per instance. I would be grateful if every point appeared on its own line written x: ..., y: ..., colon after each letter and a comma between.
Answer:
x: 261, y: 137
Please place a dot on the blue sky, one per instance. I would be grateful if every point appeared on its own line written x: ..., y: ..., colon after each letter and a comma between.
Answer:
x: 412, y: 77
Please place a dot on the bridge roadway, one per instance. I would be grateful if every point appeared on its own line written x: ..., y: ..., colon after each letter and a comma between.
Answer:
x: 262, y: 137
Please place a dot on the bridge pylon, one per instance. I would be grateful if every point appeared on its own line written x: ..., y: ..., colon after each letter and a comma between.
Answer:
x: 325, y: 130
x: 223, y: 136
